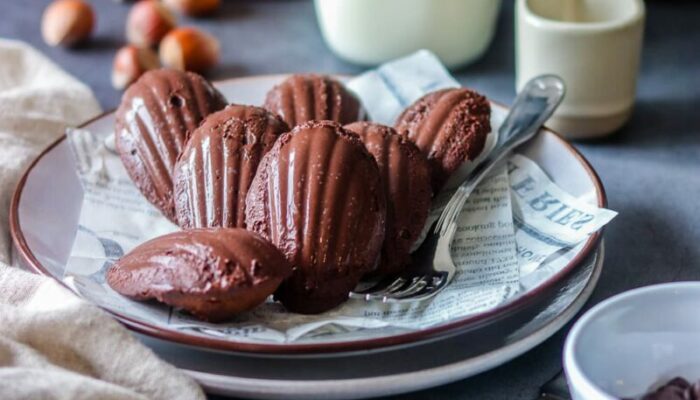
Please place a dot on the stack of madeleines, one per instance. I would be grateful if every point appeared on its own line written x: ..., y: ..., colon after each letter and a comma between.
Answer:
x: 301, y: 198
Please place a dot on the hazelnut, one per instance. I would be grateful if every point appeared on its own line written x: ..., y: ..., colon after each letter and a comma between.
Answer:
x: 148, y: 22
x: 189, y: 49
x: 193, y: 7
x: 67, y: 22
x: 130, y: 63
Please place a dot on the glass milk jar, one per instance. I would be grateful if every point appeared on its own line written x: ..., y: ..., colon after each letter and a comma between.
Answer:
x: 370, y: 32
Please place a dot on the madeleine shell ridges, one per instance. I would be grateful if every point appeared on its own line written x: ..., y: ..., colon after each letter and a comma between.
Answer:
x: 153, y: 122
x: 307, y: 97
x: 218, y: 164
x: 449, y: 126
x: 318, y: 197
x: 405, y: 175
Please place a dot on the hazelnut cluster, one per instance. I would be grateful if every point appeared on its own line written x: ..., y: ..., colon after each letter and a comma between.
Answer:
x: 152, y: 32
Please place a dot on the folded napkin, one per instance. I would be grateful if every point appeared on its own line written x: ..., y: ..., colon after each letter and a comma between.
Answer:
x: 54, y: 345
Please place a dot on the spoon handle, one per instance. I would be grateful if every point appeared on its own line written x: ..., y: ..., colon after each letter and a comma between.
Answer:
x: 533, y: 106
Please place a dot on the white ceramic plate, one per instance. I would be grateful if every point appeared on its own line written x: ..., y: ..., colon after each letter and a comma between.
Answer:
x: 47, y: 203
x: 381, y: 374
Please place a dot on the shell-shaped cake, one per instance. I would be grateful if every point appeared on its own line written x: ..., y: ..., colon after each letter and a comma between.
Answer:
x: 153, y: 122
x: 212, y: 273
x: 449, y: 126
x: 318, y: 197
x: 217, y: 166
x: 405, y: 175
x: 306, y: 97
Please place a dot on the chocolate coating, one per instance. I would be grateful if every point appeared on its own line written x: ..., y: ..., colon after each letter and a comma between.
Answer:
x: 675, y: 389
x: 405, y: 175
x: 218, y: 164
x: 450, y: 127
x: 306, y: 97
x: 154, y: 120
x: 318, y: 197
x: 212, y: 273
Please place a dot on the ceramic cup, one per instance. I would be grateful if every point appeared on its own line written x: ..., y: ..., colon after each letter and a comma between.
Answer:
x: 635, y: 342
x: 371, y: 32
x: 595, y: 46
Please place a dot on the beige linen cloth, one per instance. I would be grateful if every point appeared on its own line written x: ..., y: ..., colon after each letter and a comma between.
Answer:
x: 52, y: 344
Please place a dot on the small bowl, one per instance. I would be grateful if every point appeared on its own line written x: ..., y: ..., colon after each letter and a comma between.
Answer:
x: 634, y: 342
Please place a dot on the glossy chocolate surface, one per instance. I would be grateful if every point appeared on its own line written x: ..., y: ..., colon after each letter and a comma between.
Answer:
x: 449, y: 126
x: 154, y: 120
x: 218, y: 164
x: 212, y: 273
x: 675, y: 389
x: 318, y: 197
x: 306, y: 97
x: 406, y: 178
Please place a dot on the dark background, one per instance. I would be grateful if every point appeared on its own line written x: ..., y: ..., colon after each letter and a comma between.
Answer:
x: 651, y: 167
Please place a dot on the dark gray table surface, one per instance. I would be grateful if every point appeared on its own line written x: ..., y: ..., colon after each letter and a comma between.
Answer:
x: 650, y: 168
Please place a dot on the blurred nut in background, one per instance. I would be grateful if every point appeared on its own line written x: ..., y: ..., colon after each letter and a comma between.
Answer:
x: 189, y: 49
x: 194, y: 7
x: 130, y: 63
x: 67, y: 22
x: 148, y: 22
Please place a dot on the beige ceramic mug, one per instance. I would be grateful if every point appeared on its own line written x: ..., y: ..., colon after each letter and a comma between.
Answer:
x: 595, y: 46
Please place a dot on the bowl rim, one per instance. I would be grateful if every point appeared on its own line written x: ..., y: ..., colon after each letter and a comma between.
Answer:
x: 638, y: 14
x: 259, y: 348
x: 575, y: 374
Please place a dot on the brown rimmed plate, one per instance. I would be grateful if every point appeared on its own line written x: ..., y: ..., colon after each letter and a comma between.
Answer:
x: 46, y: 205
x: 399, y: 370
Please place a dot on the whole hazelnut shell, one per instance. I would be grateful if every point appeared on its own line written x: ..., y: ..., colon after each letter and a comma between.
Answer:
x: 195, y: 8
x: 189, y: 49
x: 130, y: 63
x: 148, y: 22
x: 67, y: 22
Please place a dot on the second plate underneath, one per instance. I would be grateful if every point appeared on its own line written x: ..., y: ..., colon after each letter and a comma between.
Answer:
x: 369, y: 374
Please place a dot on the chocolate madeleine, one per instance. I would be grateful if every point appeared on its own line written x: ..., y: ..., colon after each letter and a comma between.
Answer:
x: 449, y: 126
x: 212, y: 273
x: 153, y: 122
x: 218, y: 164
x: 405, y: 175
x: 318, y: 197
x: 306, y: 97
